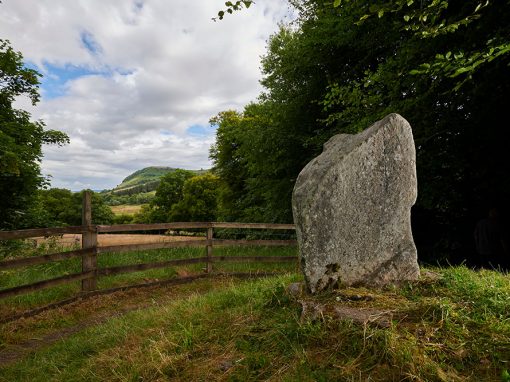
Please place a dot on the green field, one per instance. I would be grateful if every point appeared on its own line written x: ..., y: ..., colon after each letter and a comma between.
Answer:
x: 126, y: 209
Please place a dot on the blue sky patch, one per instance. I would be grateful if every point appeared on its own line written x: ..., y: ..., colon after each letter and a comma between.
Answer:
x: 53, y: 82
x: 201, y: 130
x: 55, y: 77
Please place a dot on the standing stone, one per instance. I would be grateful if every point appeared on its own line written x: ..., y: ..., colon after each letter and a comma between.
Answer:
x: 352, y: 209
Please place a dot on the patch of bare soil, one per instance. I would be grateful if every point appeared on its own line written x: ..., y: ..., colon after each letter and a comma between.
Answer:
x: 312, y: 310
x: 315, y: 310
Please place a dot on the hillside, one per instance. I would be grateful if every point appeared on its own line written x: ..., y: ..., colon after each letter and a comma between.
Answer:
x: 143, y: 176
x: 144, y: 180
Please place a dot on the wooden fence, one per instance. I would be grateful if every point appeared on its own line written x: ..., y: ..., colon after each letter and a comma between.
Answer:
x: 90, y: 249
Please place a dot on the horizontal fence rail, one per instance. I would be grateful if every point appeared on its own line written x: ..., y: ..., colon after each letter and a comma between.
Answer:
x: 188, y: 225
x: 43, y: 259
x: 253, y: 225
x: 150, y: 227
x: 269, y: 243
x: 261, y: 259
x: 26, y: 233
x: 46, y: 232
x: 146, y: 266
x: 90, y: 249
x: 143, y: 247
x: 46, y: 284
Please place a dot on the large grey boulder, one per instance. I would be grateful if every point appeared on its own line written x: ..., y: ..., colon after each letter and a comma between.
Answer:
x: 352, y: 209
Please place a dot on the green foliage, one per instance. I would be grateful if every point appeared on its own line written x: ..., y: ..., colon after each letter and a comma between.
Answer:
x: 147, y: 215
x: 113, y: 199
x: 419, y: 76
x: 140, y: 187
x: 233, y: 6
x: 183, y: 196
x: 171, y: 187
x: 443, y: 65
x: 20, y: 141
x: 15, y: 79
x: 60, y: 207
x: 433, y: 19
x: 123, y: 219
x: 231, y: 164
x: 199, y: 199
x: 260, y: 152
x: 168, y: 193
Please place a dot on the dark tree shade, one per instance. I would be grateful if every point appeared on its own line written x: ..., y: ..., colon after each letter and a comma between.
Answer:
x: 444, y: 66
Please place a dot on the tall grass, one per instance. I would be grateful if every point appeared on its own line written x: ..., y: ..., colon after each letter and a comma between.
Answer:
x: 27, y: 275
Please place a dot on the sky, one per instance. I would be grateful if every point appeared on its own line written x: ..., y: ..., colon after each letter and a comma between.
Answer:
x: 134, y: 82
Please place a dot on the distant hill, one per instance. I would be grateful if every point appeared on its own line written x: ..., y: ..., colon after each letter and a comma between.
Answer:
x: 144, y: 180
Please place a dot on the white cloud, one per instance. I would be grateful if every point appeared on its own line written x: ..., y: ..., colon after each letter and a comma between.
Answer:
x: 149, y: 70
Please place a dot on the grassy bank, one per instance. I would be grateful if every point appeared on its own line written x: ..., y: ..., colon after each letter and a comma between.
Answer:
x: 454, y: 328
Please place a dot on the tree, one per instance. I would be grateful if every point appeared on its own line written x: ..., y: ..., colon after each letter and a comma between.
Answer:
x: 452, y: 84
x: 341, y: 69
x: 62, y: 207
x: 275, y: 137
x: 20, y: 141
x: 433, y: 19
x: 254, y: 157
x: 199, y: 199
x: 168, y: 193
x: 231, y: 165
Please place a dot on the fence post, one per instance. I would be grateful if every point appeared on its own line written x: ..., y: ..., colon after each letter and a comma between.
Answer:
x: 209, y: 249
x: 89, y: 240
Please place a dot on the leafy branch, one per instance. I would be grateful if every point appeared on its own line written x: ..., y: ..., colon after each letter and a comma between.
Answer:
x: 428, y: 19
x: 460, y: 63
x: 233, y: 6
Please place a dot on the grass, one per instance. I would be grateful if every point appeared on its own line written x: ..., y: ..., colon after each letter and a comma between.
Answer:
x: 455, y: 328
x: 126, y: 209
x: 21, y: 276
